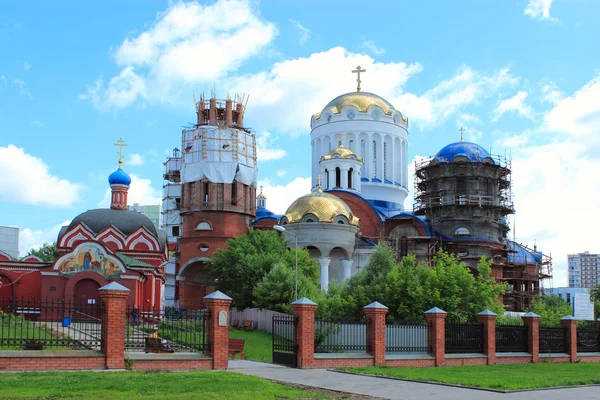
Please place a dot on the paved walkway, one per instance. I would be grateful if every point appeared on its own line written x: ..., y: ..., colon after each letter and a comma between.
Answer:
x: 394, y: 389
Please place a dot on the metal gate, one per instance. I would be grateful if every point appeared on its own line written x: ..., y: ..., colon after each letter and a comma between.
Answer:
x: 284, y: 349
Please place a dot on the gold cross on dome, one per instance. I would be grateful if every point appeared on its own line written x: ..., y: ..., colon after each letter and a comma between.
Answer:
x: 341, y: 143
x: 121, y: 144
x: 461, y: 130
x: 319, y: 182
x: 261, y: 186
x: 358, y: 71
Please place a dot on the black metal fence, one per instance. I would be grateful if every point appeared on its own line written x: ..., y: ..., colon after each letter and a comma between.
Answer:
x: 340, y: 336
x: 553, y: 340
x: 179, y: 330
x: 464, y: 338
x: 37, y: 325
x: 284, y: 348
x: 512, y: 338
x: 588, y: 340
x: 406, y: 338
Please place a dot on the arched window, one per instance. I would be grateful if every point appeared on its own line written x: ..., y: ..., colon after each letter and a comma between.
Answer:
x: 363, y: 152
x: 203, y: 226
x: 338, y: 177
x: 326, y: 179
x: 350, y: 171
x: 351, y: 145
x: 462, y: 231
x: 374, y: 175
x: 385, y: 171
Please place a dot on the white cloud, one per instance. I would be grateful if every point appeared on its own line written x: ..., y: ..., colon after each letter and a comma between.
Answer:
x: 26, y: 66
x: 140, y: 191
x: 514, y: 104
x: 264, y: 150
x: 281, y: 173
x: 136, y: 160
x: 3, y: 79
x: 304, y: 32
x: 22, y: 90
x: 36, y: 238
x: 539, y: 9
x: 189, y: 43
x: 37, y: 123
x: 27, y: 179
x: 279, y: 197
x: 578, y: 114
x: 551, y: 93
x: 371, y: 46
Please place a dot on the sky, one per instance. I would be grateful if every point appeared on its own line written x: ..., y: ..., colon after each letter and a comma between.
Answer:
x: 522, y: 77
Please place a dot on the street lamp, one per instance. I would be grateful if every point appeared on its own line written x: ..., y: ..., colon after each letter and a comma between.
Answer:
x: 281, y: 229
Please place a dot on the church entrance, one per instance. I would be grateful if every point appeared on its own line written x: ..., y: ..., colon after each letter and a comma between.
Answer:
x: 86, y: 302
x: 6, y: 288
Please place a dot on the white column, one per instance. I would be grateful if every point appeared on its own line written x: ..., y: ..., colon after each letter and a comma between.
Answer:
x: 369, y: 158
x: 324, y: 262
x: 356, y: 179
x: 331, y: 178
x: 347, y: 264
x: 380, y: 160
x: 344, y: 178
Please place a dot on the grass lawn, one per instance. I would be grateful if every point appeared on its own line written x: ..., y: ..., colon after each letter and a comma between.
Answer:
x: 149, y: 385
x: 258, y: 345
x: 500, y: 377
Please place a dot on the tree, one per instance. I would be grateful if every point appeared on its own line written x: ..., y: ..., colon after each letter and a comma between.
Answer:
x: 241, y: 266
x: 408, y: 289
x: 550, y: 309
x: 47, y: 253
x: 595, y: 297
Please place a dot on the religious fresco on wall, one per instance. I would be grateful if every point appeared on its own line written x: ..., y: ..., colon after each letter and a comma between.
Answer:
x: 89, y: 257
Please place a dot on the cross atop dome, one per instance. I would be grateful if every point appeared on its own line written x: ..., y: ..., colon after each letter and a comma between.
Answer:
x: 358, y: 71
x: 121, y: 144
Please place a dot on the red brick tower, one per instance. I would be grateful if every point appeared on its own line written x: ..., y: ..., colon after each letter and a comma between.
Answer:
x: 218, y: 199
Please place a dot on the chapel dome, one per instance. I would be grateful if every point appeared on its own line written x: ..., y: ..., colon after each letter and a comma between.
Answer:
x: 341, y: 152
x: 361, y: 100
x: 463, y: 151
x: 126, y: 221
x: 119, y: 177
x: 324, y: 206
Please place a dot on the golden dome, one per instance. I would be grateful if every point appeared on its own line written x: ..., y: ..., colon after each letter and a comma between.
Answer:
x: 342, y: 152
x: 361, y: 100
x: 324, y: 206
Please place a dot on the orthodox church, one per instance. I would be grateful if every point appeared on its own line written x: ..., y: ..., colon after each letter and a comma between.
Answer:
x: 359, y: 165
x: 97, y: 247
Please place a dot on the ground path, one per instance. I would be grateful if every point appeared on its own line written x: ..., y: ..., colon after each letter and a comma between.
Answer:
x: 395, y: 389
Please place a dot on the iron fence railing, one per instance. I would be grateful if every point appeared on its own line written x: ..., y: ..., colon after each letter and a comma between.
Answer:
x: 406, y: 338
x: 32, y: 324
x: 284, y: 347
x: 179, y: 330
x: 464, y: 338
x: 512, y: 338
x: 553, y: 340
x: 340, y: 336
x: 588, y: 340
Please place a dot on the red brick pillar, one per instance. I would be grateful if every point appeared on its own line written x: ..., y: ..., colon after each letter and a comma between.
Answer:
x: 532, y: 321
x: 217, y: 305
x: 304, y: 332
x: 488, y: 320
x: 376, y: 313
x: 436, y: 321
x: 570, y: 323
x: 114, y: 319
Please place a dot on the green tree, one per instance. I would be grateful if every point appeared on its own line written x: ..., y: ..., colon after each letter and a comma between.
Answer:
x: 47, y: 253
x: 595, y: 297
x: 550, y: 309
x: 241, y: 266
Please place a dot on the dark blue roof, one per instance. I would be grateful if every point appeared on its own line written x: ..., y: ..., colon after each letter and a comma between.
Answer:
x: 519, y: 254
x: 472, y: 151
x: 263, y: 213
x: 119, y: 177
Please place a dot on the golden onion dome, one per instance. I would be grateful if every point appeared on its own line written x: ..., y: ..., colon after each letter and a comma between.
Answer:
x: 341, y: 152
x: 361, y: 100
x: 324, y: 206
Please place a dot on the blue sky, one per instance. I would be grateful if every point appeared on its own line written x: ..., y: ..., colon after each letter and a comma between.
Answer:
x: 522, y: 77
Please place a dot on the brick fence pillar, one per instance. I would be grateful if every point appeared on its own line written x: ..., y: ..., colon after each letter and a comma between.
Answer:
x: 436, y: 321
x: 488, y: 320
x: 304, y: 331
x: 113, y: 298
x: 376, y: 313
x: 217, y: 305
x: 570, y: 323
x: 532, y: 321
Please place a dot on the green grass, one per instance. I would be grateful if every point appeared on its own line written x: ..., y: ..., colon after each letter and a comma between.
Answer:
x: 19, y: 333
x: 149, y: 385
x: 258, y: 345
x: 500, y: 377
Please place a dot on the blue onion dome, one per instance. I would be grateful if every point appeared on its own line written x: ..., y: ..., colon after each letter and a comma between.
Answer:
x: 119, y: 177
x: 465, y: 152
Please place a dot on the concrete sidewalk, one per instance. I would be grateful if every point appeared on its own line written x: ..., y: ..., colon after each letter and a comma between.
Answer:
x: 394, y: 389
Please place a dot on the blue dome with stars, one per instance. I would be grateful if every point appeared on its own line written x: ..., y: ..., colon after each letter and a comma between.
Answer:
x: 119, y: 177
x: 464, y: 151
